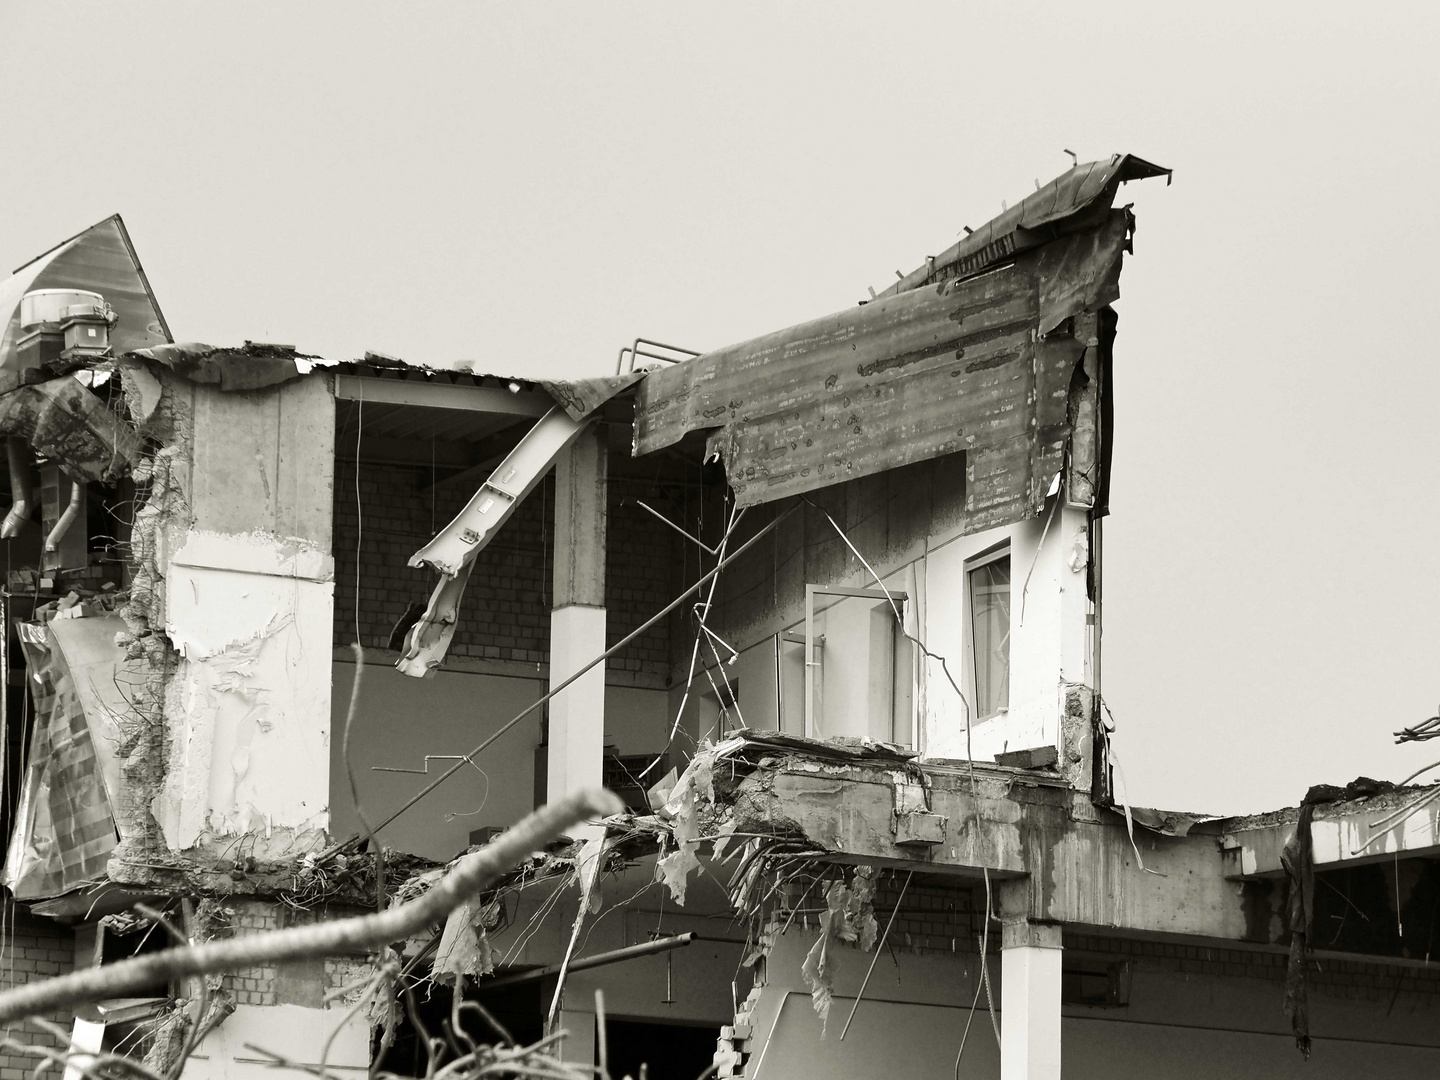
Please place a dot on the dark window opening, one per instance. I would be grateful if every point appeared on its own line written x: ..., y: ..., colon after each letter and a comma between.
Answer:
x: 671, y: 1051
x: 1095, y: 983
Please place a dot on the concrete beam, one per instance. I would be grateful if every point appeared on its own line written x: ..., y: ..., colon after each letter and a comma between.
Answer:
x: 1344, y: 834
x: 440, y: 394
x: 1067, y: 861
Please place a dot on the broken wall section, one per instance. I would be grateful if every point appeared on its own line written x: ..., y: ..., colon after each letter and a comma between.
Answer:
x: 231, y: 608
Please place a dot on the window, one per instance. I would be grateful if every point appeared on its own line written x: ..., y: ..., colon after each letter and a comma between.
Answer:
x: 989, y: 582
x: 848, y: 671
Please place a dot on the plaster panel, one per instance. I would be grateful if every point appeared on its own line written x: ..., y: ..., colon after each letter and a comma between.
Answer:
x: 250, y: 616
x: 252, y: 693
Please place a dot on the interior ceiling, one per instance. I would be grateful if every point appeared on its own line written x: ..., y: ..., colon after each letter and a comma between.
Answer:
x: 457, y: 439
x: 421, y: 423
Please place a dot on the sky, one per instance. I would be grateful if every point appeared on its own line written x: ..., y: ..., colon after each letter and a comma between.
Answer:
x: 529, y: 186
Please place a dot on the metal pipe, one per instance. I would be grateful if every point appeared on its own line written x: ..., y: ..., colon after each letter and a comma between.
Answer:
x: 18, y: 451
x: 62, y: 526
x: 679, y: 941
x: 634, y: 350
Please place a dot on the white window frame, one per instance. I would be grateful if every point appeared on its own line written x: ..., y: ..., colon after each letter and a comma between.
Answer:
x: 813, y: 648
x: 1001, y: 550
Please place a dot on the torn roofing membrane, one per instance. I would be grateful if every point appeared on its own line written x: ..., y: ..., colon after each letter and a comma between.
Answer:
x: 1071, y: 202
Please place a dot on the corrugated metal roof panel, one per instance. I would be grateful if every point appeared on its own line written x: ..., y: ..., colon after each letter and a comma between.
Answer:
x: 982, y: 364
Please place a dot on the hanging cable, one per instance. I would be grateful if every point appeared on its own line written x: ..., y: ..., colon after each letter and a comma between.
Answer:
x: 621, y: 644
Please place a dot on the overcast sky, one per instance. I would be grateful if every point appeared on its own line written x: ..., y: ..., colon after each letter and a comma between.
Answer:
x: 530, y: 186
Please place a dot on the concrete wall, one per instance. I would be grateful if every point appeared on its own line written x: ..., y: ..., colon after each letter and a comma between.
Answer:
x: 248, y: 591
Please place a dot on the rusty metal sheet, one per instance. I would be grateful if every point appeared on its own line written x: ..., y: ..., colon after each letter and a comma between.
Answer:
x: 961, y: 365
x: 1074, y: 201
x: 100, y: 259
x: 63, y: 420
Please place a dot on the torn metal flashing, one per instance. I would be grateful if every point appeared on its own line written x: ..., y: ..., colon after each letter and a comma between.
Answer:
x: 1003, y: 366
x: 252, y: 366
x: 1076, y: 200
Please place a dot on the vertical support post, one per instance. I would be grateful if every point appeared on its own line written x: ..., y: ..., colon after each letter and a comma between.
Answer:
x: 578, y: 1048
x: 1030, y: 1001
x: 577, y: 620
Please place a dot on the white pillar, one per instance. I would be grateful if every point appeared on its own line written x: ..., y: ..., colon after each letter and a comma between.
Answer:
x: 577, y: 622
x: 577, y: 713
x: 1030, y: 1002
x: 578, y: 1048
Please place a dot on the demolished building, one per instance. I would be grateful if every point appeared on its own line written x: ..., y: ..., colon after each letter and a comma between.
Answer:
x: 824, y: 607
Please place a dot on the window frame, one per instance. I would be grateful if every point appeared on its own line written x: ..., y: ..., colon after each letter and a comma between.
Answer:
x: 814, y: 654
x: 1002, y: 549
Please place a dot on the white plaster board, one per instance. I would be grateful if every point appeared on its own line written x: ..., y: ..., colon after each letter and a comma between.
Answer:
x: 577, y: 714
x: 256, y: 553
x: 295, y: 1031
x: 251, y: 745
x: 1047, y: 638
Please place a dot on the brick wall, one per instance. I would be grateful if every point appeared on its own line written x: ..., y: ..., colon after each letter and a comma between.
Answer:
x: 32, y: 949
x: 934, y: 916
x: 304, y: 983
x: 505, y: 614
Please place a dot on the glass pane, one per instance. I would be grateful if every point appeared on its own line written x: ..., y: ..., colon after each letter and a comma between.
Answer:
x: 990, y: 629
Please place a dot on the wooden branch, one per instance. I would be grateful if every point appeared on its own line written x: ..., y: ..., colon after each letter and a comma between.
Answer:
x: 471, y: 874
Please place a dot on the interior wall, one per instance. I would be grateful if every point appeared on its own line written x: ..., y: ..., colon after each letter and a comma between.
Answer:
x: 1177, y: 1022
x: 388, y: 512
x: 401, y: 719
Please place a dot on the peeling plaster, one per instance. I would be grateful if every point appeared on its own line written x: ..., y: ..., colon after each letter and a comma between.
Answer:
x: 249, y: 615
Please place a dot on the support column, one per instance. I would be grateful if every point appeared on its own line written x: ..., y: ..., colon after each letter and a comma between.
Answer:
x: 579, y: 1047
x: 1030, y: 1002
x: 577, y: 620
